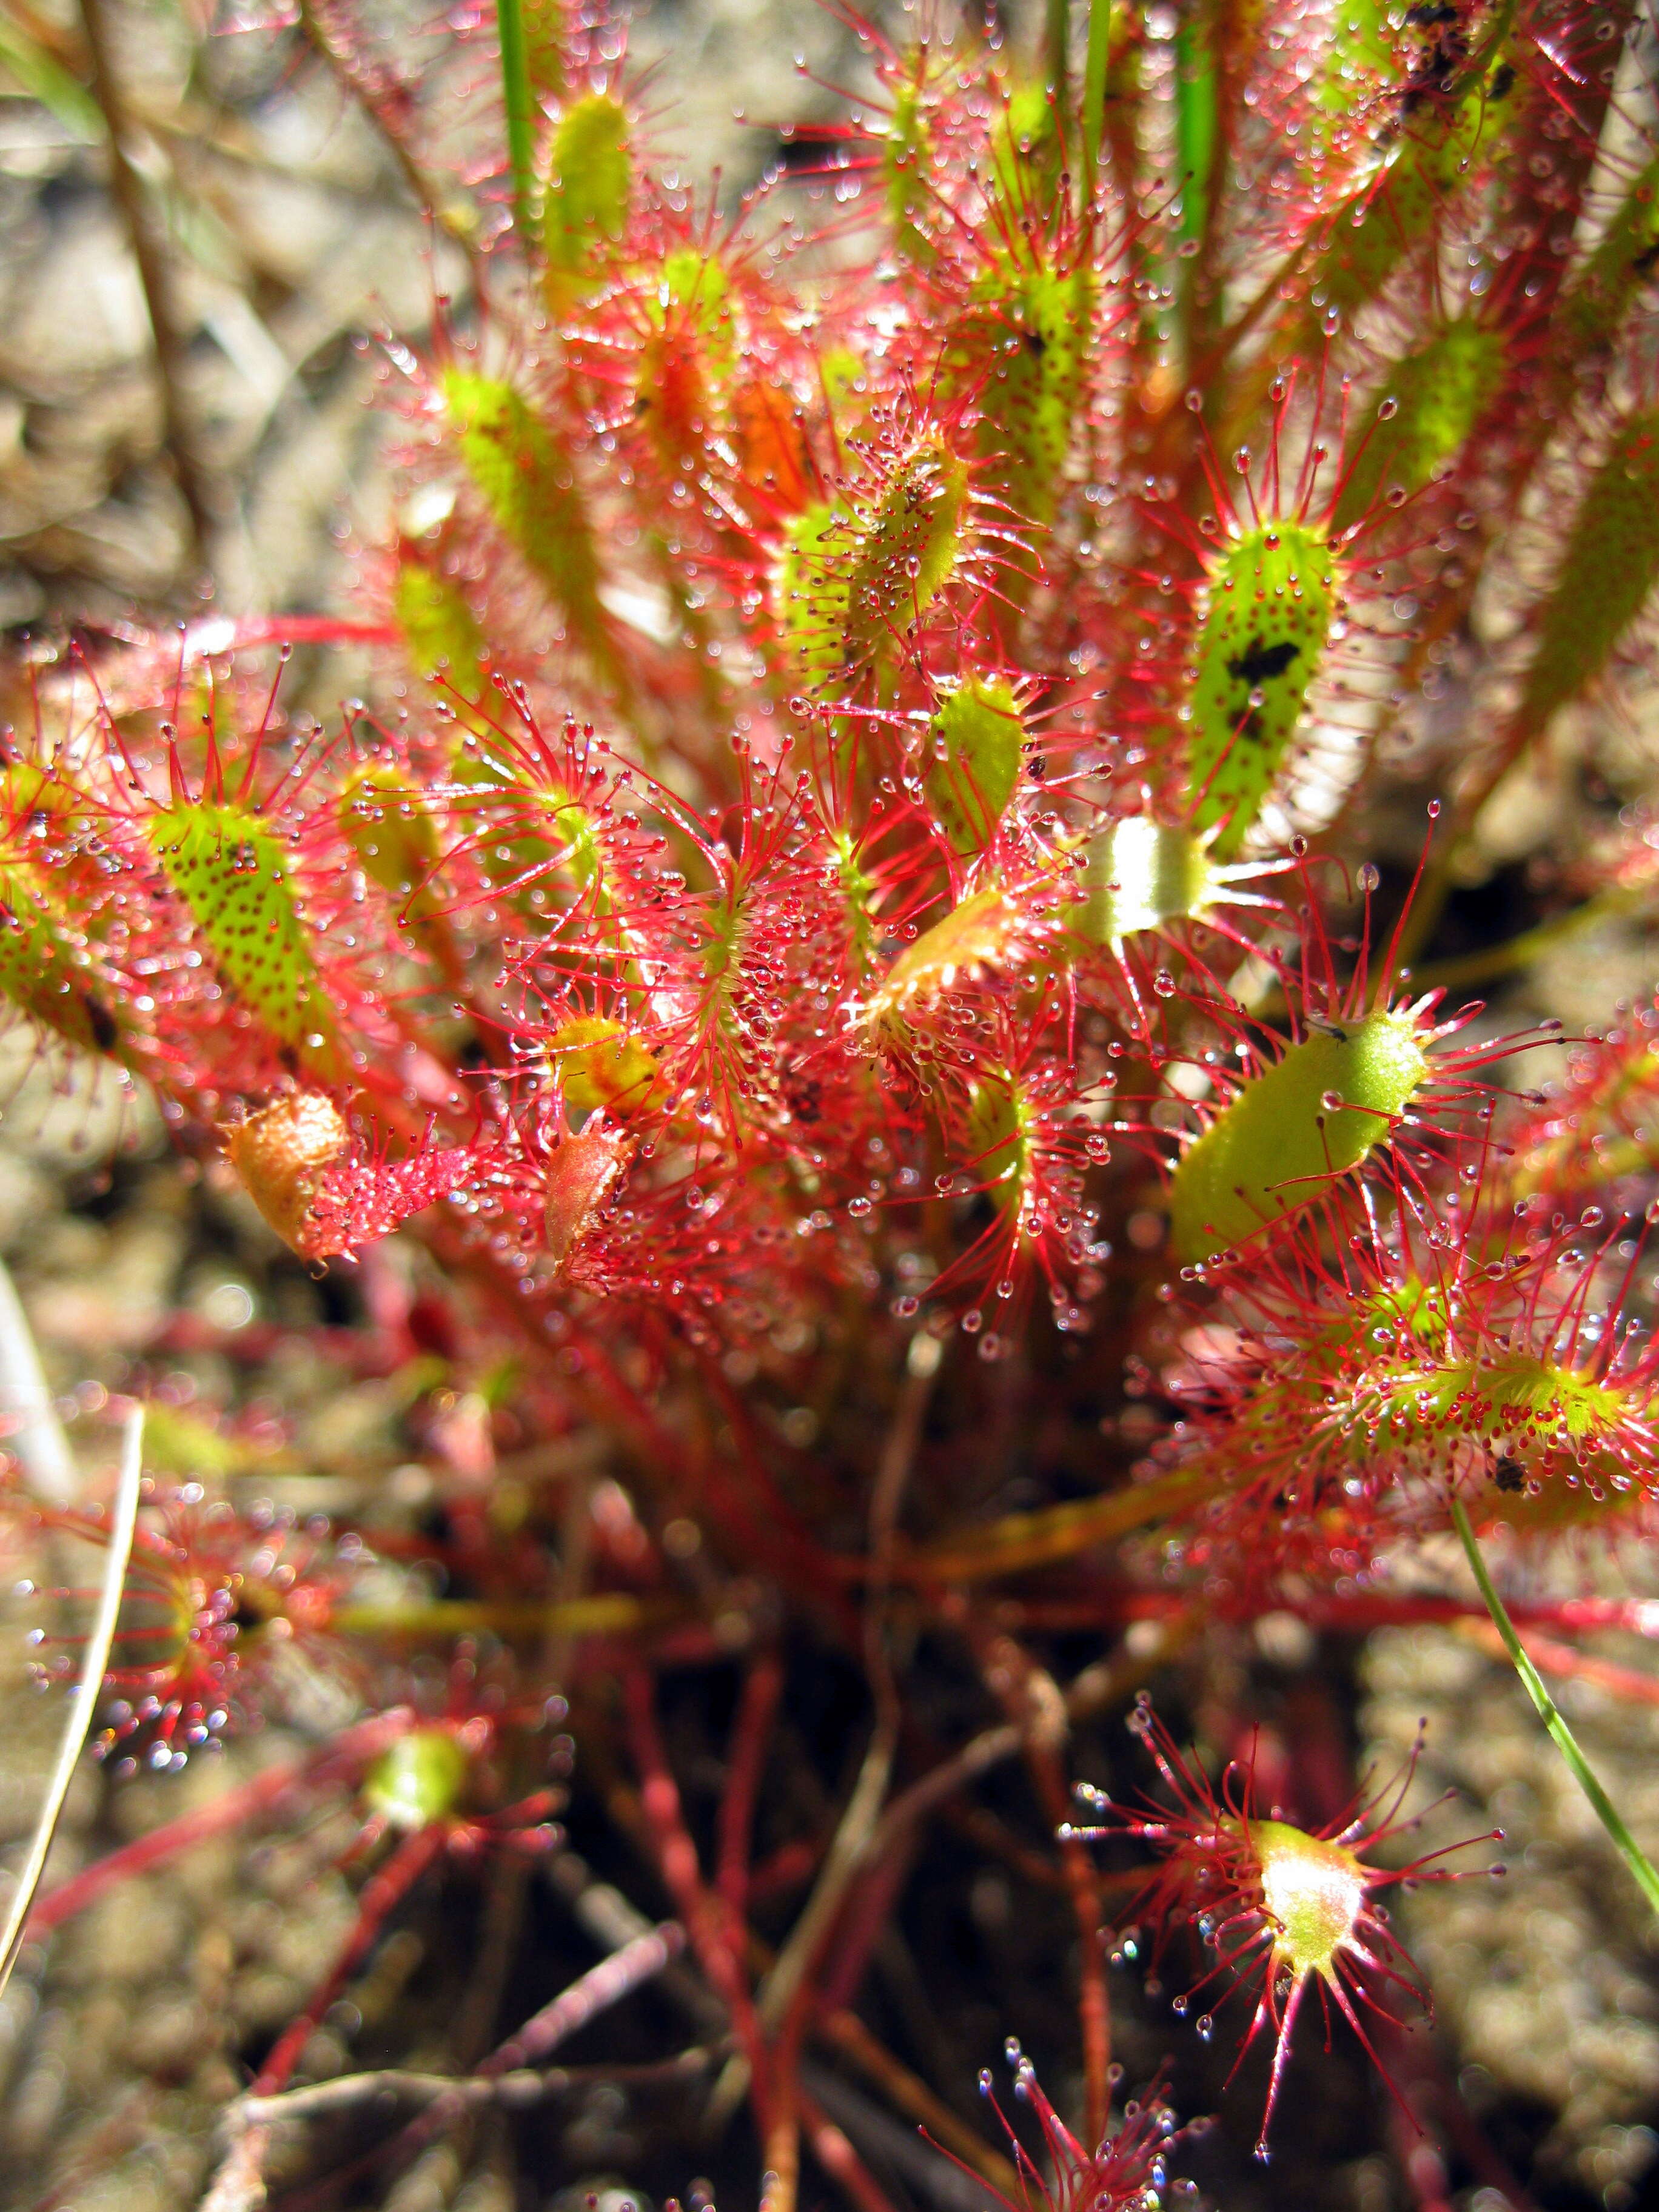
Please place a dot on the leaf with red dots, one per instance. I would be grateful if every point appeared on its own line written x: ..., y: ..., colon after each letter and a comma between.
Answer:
x: 233, y: 875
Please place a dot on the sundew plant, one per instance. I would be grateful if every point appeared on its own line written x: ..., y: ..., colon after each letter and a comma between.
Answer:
x: 891, y: 940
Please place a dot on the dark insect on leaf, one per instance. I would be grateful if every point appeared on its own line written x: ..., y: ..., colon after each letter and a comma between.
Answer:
x: 100, y: 1022
x: 1261, y: 662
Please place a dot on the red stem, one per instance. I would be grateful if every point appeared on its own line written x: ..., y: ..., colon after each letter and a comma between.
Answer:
x: 1082, y: 1884
x: 762, y: 1686
x: 383, y: 1891
x: 839, y: 2160
x: 708, y: 1922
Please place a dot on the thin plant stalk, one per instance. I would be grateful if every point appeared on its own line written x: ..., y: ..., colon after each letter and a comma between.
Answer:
x: 168, y: 334
x: 36, y: 1440
x: 1603, y: 1806
x: 520, y: 112
x: 451, y: 214
x: 1096, y: 58
x: 124, y: 1518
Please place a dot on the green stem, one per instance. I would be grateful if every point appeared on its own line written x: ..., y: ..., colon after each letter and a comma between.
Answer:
x: 1057, y: 24
x: 1195, y: 127
x: 1094, y: 61
x: 1052, y: 1532
x: 1602, y: 1804
x: 1197, y: 130
x: 601, y: 1612
x: 1519, y: 952
x: 520, y: 112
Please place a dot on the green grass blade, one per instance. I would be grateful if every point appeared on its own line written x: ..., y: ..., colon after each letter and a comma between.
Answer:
x: 1095, y: 60
x: 123, y: 1520
x: 520, y: 112
x: 1057, y: 23
x: 1603, y: 1806
x: 1197, y: 121
x: 45, y: 79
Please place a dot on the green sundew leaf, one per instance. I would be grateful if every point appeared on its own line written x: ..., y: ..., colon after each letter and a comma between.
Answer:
x: 179, y: 1443
x: 35, y: 795
x: 573, y: 830
x: 1359, y: 57
x: 1614, y: 277
x: 1385, y: 224
x: 1521, y: 1407
x: 858, y: 889
x: 45, y: 964
x: 985, y: 933
x: 394, y: 840
x: 727, y: 923
x: 1437, y: 392
x: 1272, y: 595
x: 541, y: 824
x: 391, y: 834
x: 589, y: 186
x: 853, y: 580
x: 442, y: 637
x: 995, y: 1140
x: 1509, y: 1398
x: 544, y: 827
x: 600, y: 1066
x: 233, y: 875
x: 1138, y: 874
x: 1607, y: 574
x: 1380, y: 231
x: 1024, y: 142
x: 1363, y: 38
x: 417, y: 1780
x: 1033, y: 324
x: 527, y: 481
x: 846, y: 386
x: 699, y: 287
x: 813, y: 594
x: 1314, y: 1892
x: 1279, y: 1143
x: 1403, y: 1321
x: 688, y: 358
x: 729, y: 920
x: 910, y: 541
x: 906, y: 157
x: 1409, y: 1311
x: 544, y: 24
x: 974, y: 748
x: 1602, y: 1502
